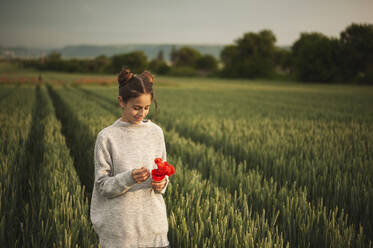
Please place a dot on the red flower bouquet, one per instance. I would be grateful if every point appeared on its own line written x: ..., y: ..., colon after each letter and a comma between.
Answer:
x: 163, y: 169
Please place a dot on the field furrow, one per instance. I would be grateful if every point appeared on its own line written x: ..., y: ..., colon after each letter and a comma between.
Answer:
x: 48, y: 206
x: 15, y: 117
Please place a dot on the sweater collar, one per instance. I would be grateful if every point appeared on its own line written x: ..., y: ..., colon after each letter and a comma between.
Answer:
x: 121, y: 123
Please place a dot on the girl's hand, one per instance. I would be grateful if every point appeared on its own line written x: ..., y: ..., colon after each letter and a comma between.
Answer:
x: 140, y: 175
x: 159, y: 185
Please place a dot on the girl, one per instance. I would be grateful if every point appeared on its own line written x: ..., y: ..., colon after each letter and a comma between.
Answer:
x: 127, y: 207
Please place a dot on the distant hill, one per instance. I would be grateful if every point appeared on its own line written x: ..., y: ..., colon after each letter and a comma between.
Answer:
x: 21, y: 52
x: 92, y: 51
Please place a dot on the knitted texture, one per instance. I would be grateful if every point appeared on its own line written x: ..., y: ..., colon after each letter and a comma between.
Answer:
x: 124, y: 213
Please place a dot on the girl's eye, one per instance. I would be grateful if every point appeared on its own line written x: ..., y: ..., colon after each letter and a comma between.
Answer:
x: 138, y: 108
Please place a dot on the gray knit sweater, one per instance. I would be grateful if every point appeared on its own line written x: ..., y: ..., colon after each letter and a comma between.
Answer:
x: 124, y: 213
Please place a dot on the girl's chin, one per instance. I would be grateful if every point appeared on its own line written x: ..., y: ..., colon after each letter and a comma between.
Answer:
x: 137, y: 120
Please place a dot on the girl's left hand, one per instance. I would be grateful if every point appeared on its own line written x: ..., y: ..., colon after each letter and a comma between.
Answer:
x: 159, y: 185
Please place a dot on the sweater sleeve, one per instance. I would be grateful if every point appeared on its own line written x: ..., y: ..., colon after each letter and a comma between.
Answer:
x: 108, y: 185
x: 164, y: 158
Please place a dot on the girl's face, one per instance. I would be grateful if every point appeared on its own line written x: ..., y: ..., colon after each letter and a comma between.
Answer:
x: 136, y: 109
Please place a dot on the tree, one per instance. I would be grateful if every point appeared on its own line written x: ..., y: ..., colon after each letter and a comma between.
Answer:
x: 160, y: 55
x: 251, y: 56
x: 54, y: 62
x: 101, y: 64
x: 173, y: 55
x: 282, y: 59
x: 207, y: 63
x: 316, y: 57
x: 54, y: 56
x: 357, y: 44
x: 136, y: 61
x: 229, y: 56
x: 186, y: 57
x: 159, y: 67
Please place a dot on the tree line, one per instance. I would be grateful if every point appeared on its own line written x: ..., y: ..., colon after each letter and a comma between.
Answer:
x: 313, y: 57
x: 185, y: 61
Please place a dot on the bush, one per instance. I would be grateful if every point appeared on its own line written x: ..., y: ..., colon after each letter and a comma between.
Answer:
x: 367, y: 76
x: 207, y: 63
x: 159, y: 67
x: 183, y: 71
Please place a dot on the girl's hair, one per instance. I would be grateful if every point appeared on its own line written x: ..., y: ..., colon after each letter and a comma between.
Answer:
x: 132, y: 85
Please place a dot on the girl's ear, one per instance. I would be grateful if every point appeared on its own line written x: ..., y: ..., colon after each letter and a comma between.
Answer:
x: 121, y: 103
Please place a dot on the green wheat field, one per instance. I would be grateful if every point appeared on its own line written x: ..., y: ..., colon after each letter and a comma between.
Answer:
x: 258, y: 163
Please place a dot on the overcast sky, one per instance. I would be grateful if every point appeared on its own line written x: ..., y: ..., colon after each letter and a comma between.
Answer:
x: 56, y: 23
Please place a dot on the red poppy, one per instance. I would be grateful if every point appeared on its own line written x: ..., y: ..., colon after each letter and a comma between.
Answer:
x: 163, y: 169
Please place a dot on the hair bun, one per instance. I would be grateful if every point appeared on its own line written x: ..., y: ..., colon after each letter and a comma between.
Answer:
x: 124, y: 76
x: 148, y: 76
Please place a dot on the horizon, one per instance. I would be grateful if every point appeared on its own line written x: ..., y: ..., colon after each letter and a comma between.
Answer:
x: 113, y: 45
x: 125, y: 44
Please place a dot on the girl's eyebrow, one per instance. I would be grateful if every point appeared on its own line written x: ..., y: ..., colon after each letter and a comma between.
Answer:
x: 141, y: 106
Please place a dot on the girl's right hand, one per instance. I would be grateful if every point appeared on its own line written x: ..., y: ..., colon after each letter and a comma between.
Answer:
x: 140, y: 175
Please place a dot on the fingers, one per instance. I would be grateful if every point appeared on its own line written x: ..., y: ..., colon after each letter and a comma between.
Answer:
x: 140, y: 175
x: 159, y: 185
